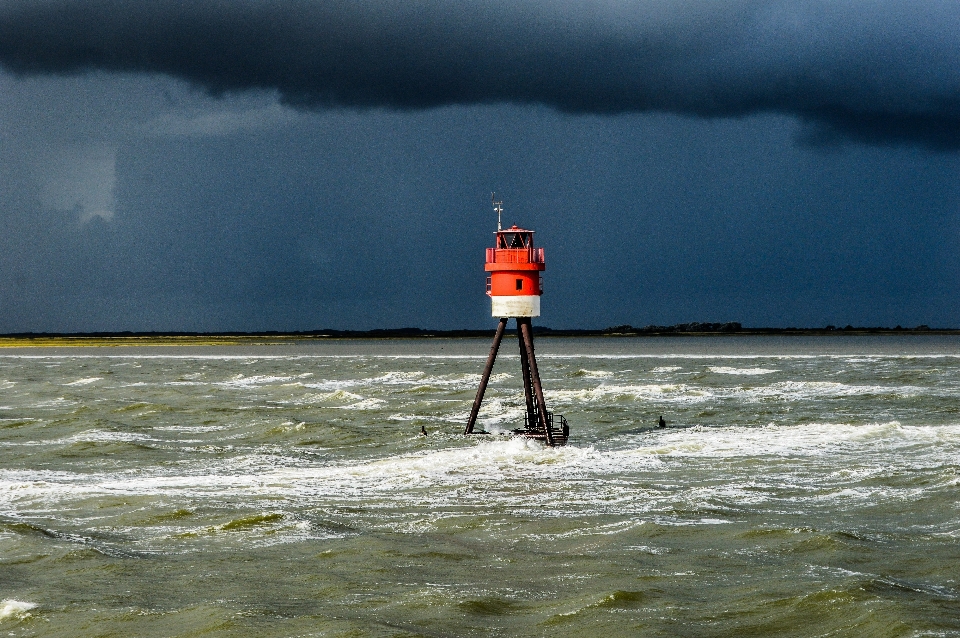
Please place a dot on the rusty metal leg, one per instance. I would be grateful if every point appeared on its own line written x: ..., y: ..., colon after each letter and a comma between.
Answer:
x: 525, y: 328
x: 533, y: 354
x: 486, y: 375
x: 527, y: 385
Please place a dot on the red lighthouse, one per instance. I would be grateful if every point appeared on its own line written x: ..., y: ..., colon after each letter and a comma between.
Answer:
x: 514, y: 287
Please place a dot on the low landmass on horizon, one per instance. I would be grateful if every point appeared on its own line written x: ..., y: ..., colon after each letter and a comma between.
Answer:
x: 273, y: 337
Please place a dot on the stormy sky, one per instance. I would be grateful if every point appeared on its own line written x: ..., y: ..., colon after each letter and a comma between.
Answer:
x: 293, y: 164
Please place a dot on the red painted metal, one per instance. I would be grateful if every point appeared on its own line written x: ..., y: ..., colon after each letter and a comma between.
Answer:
x: 515, y: 255
x: 514, y: 258
x: 504, y: 283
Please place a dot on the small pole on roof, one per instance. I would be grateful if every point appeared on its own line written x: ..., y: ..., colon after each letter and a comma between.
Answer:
x: 498, y: 207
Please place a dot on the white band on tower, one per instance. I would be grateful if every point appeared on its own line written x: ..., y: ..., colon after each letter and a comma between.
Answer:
x: 516, y: 306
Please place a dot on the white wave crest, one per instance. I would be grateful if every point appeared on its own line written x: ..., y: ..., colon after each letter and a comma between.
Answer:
x: 592, y: 374
x: 497, y: 411
x: 662, y: 392
x: 241, y: 381
x: 15, y: 609
x: 813, y: 440
x: 742, y: 371
x: 413, y: 379
x: 331, y: 385
x: 823, y: 463
x: 339, y: 395
x: 59, y: 402
x: 799, y: 390
x: 348, y: 400
x: 86, y: 381
x: 105, y: 436
x: 366, y: 404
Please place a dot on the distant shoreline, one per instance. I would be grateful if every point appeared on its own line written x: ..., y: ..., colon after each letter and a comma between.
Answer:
x: 116, y: 339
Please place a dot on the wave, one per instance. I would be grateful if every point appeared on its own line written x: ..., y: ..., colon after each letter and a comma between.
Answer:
x: 853, y: 357
x: 741, y: 371
x: 104, y: 436
x: 591, y: 374
x: 416, y: 381
x: 86, y: 381
x: 485, y: 456
x: 365, y: 404
x: 692, y: 476
x: 59, y: 402
x: 241, y: 381
x: 802, y: 390
x: 813, y: 440
x: 687, y: 394
x: 15, y: 609
x: 660, y: 392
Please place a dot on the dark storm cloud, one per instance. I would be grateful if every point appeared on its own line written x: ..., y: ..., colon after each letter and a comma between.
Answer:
x: 874, y: 71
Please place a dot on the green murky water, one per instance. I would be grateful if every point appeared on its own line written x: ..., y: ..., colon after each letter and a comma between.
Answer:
x: 805, y: 487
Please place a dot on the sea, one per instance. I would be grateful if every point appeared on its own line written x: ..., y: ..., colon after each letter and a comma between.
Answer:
x: 803, y: 486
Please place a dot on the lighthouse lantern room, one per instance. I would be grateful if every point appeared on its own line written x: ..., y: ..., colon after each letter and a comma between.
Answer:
x: 515, y: 286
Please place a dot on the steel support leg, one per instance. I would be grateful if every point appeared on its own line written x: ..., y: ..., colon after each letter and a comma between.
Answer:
x: 486, y: 375
x: 527, y: 385
x: 525, y: 328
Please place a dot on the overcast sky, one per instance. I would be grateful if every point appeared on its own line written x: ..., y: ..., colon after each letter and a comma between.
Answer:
x: 291, y: 165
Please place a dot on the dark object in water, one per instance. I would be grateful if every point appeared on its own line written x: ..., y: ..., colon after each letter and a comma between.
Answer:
x: 662, y: 423
x: 423, y: 430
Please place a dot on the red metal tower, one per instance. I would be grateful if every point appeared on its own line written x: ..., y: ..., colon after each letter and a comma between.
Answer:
x: 514, y: 287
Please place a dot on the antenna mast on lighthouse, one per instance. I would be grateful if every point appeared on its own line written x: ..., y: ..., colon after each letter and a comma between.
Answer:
x: 498, y: 208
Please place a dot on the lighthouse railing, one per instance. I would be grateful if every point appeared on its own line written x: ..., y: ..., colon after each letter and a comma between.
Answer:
x: 514, y: 255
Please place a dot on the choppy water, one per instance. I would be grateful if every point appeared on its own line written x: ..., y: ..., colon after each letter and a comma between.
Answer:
x: 805, y: 487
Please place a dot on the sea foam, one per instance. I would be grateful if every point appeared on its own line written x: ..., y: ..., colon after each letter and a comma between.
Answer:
x: 15, y: 609
x: 741, y: 371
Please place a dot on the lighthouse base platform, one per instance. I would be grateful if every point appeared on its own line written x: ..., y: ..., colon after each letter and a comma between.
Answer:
x: 560, y: 431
